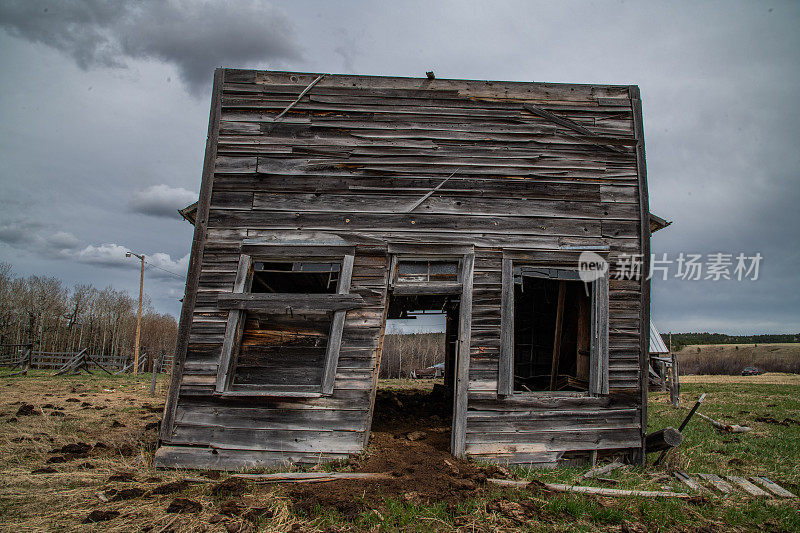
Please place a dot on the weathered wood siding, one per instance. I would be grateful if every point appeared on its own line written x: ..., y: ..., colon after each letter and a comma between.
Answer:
x: 351, y: 158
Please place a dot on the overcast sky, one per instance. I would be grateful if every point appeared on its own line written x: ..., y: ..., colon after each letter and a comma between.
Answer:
x: 104, y: 111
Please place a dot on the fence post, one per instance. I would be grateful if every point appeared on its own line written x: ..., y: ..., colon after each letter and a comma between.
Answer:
x: 674, y: 391
x: 156, y: 372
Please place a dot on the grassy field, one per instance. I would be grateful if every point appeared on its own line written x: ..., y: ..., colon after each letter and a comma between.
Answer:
x: 46, y: 487
x: 731, y: 359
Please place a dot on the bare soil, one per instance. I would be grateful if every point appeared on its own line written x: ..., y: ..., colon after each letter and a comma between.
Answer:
x: 89, y: 468
x: 411, y: 440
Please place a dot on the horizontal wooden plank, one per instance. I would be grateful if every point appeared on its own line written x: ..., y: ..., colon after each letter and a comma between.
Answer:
x: 291, y: 441
x: 284, y: 303
x: 206, y: 458
x: 465, y: 224
x: 254, y: 417
x: 439, y: 203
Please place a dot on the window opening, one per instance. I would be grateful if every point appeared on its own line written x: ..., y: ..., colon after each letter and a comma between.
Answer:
x: 552, y: 334
x: 286, y: 349
x: 426, y: 271
x: 295, y: 277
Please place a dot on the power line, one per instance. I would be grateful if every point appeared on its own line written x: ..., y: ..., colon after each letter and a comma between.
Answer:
x: 164, y: 269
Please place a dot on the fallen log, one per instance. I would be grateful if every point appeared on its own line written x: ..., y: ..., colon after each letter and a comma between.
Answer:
x: 558, y: 487
x: 312, y: 477
x: 663, y: 439
x: 683, y: 425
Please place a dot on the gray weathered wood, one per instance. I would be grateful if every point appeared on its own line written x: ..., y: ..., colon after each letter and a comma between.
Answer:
x: 505, y: 377
x: 335, y: 339
x: 233, y: 328
x: 746, y: 486
x: 562, y: 291
x: 662, y: 439
x: 410, y: 289
x: 335, y: 176
x: 718, y: 483
x: 271, y: 303
x: 459, y: 431
x: 300, y: 97
x: 773, y: 487
x: 430, y: 193
x: 600, y: 491
x: 644, y: 239
x: 312, y: 477
x: 687, y: 480
x: 596, y: 472
x: 599, y: 369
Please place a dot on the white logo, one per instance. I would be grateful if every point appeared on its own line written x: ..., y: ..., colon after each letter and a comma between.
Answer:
x: 591, y: 267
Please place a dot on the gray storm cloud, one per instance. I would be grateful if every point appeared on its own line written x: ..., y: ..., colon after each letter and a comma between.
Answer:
x: 195, y: 37
x: 162, y: 200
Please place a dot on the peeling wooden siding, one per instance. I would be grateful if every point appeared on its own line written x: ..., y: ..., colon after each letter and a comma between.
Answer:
x: 352, y: 157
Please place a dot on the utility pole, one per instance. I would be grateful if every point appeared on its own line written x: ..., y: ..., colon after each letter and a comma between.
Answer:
x: 139, y: 316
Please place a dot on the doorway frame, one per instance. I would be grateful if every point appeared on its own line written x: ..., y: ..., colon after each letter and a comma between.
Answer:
x: 465, y: 254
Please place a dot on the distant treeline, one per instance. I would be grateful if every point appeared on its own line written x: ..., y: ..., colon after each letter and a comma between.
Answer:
x: 55, y: 318
x: 679, y: 340
x: 403, y: 353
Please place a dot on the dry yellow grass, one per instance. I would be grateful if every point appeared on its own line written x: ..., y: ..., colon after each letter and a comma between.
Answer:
x: 770, y: 378
x: 61, y: 499
x: 731, y: 359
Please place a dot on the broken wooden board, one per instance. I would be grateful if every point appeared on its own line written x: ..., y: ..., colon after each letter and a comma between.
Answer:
x: 718, y: 483
x: 772, y: 487
x: 312, y: 477
x: 687, y: 480
x: 748, y: 487
x: 558, y: 487
x: 599, y: 471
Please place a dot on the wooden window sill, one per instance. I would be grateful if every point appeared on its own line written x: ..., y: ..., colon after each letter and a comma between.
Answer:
x: 269, y: 393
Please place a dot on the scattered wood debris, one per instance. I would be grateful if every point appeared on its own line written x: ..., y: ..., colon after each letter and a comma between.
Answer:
x: 718, y: 483
x: 663, y: 439
x: 599, y: 471
x: 687, y: 480
x: 729, y: 428
x: 312, y: 477
x: 601, y: 491
x: 748, y: 487
x: 773, y: 487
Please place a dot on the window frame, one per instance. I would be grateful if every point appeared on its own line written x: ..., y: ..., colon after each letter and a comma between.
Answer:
x: 240, y: 300
x: 598, y: 350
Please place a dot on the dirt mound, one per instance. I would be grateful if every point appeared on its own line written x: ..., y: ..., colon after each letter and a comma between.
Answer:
x: 422, y: 469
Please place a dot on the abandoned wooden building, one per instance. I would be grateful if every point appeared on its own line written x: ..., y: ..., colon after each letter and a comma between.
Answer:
x: 332, y: 203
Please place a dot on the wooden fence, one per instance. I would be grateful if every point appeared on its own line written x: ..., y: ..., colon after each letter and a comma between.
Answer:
x: 50, y: 360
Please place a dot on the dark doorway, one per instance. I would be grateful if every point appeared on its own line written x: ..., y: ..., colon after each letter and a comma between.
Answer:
x: 417, y: 372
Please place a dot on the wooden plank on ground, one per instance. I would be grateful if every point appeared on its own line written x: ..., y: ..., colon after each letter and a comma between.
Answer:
x: 718, y: 483
x: 748, y: 487
x: 772, y: 487
x: 312, y: 477
x: 687, y: 480
x: 594, y: 472
x: 558, y: 487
